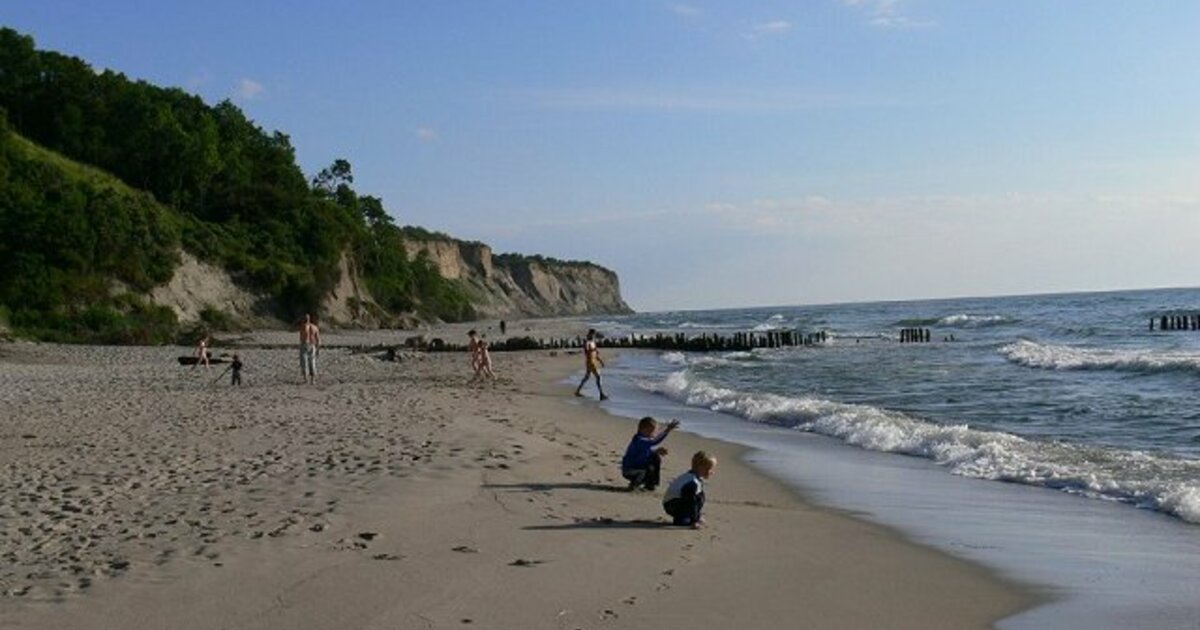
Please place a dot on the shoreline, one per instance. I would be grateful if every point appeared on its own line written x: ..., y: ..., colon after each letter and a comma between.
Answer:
x: 506, y: 517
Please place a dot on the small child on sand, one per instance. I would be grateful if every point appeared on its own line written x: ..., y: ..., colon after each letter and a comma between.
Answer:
x: 642, y: 461
x: 236, y: 368
x: 684, y: 498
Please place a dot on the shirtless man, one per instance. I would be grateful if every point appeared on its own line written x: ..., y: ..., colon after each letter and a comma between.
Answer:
x: 473, y: 350
x: 310, y: 341
x: 592, y: 363
x: 484, y: 366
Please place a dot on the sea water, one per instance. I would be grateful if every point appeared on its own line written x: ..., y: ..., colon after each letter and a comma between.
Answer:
x: 1088, y: 417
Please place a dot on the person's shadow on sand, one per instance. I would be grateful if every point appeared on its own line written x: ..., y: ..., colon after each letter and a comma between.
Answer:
x: 603, y: 523
x: 544, y: 487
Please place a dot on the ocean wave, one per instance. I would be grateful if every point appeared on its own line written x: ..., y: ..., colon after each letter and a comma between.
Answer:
x: 1166, y: 484
x: 918, y: 321
x: 703, y: 326
x: 609, y: 324
x: 1058, y: 357
x: 963, y: 320
x: 740, y: 357
x: 960, y: 320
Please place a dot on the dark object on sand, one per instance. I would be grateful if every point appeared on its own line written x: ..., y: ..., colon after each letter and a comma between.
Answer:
x: 194, y: 360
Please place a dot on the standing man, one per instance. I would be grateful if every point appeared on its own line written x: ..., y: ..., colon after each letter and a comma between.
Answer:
x: 592, y: 363
x: 473, y: 350
x: 310, y: 341
x: 201, y: 353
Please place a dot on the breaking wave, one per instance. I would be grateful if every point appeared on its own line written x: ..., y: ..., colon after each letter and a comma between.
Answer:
x: 964, y: 320
x: 1058, y: 357
x: 1167, y: 484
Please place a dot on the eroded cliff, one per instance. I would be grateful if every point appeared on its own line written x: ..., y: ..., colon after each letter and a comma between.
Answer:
x: 511, y: 285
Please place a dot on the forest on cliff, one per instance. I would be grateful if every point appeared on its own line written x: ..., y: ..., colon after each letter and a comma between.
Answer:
x: 103, y: 180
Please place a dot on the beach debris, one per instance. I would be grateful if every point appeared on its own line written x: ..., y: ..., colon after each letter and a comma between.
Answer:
x: 368, y: 536
x: 522, y: 562
x: 385, y: 556
x: 465, y: 549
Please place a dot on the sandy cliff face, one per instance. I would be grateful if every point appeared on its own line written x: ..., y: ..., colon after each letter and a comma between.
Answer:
x: 499, y: 286
x: 197, y: 285
x: 349, y: 303
x: 513, y: 286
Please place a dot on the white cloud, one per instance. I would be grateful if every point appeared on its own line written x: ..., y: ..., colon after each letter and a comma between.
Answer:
x: 426, y: 134
x: 683, y: 100
x: 768, y: 29
x: 250, y: 89
x: 888, y: 14
x: 686, y: 10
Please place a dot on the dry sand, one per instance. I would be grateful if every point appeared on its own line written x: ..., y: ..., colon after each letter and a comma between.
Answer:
x: 137, y: 494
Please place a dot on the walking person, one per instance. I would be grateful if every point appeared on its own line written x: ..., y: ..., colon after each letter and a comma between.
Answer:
x: 473, y: 342
x: 201, y: 353
x: 310, y: 342
x: 592, y: 363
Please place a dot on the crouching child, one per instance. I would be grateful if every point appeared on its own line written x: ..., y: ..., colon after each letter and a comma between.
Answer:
x: 684, y: 499
x: 643, y: 461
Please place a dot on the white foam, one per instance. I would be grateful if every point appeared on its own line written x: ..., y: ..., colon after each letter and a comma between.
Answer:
x: 964, y: 320
x: 674, y: 358
x: 1167, y: 484
x: 729, y: 358
x: 1059, y: 357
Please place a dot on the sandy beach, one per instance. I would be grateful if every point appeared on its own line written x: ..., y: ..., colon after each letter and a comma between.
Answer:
x: 138, y: 494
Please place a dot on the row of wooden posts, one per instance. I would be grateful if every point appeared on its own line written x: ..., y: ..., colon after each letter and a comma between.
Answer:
x: 704, y: 342
x: 1176, y: 322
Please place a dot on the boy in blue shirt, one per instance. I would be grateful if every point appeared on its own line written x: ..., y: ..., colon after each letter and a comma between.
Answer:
x: 642, y: 461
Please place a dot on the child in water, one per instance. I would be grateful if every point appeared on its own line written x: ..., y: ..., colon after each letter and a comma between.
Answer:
x: 642, y: 461
x: 684, y: 499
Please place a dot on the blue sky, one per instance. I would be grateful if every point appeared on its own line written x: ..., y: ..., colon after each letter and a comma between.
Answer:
x: 725, y: 154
